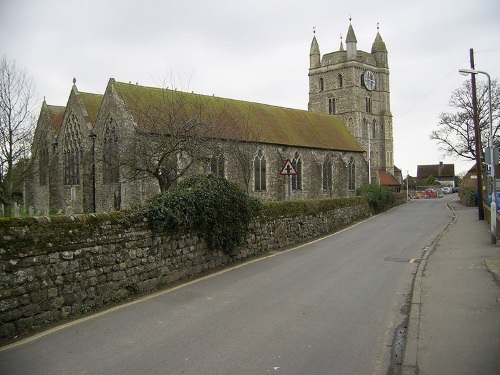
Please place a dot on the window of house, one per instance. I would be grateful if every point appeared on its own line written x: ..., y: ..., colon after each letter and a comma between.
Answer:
x: 72, y: 151
x: 368, y: 104
x: 340, y: 83
x: 332, y: 106
x: 351, y: 178
x: 259, y: 168
x: 327, y: 175
x: 110, y: 157
x: 297, y: 179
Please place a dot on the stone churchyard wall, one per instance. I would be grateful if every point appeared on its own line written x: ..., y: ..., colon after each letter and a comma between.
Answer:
x: 53, y: 268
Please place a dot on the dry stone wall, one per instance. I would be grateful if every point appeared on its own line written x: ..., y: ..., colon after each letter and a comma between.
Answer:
x: 65, y: 266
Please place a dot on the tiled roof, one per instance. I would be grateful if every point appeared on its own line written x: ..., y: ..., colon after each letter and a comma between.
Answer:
x: 247, y: 121
x: 386, y: 178
x: 436, y: 170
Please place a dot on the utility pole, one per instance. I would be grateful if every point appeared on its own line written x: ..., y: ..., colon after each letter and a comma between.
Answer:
x: 477, y: 131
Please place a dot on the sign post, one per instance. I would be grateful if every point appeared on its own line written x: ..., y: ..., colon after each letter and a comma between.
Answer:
x: 288, y: 170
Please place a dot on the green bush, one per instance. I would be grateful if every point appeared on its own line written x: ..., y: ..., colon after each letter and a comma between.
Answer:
x: 380, y: 198
x: 216, y: 209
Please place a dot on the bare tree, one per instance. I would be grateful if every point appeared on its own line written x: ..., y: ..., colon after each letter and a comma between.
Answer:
x: 455, y: 134
x: 16, y: 129
x: 243, y: 147
x: 174, y: 131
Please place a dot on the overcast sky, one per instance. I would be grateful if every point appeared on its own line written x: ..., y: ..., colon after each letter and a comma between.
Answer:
x: 256, y: 50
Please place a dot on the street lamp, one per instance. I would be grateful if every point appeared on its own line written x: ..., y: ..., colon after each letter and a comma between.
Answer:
x: 407, y: 193
x: 493, y: 207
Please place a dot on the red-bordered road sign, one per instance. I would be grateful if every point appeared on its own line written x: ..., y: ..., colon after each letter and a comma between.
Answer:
x: 288, y: 169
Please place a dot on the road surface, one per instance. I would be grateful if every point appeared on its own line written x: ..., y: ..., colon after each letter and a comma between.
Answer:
x: 329, y: 307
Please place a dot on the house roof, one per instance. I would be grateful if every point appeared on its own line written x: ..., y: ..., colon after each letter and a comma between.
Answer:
x: 386, y: 178
x: 436, y: 170
x: 241, y: 120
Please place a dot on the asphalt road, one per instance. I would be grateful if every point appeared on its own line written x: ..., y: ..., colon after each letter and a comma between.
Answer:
x: 328, y: 307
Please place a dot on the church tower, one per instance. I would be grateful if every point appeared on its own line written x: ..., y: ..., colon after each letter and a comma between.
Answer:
x: 354, y: 85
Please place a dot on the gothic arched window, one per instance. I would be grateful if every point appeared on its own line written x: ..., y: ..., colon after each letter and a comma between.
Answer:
x: 332, y: 106
x: 339, y: 77
x: 374, y: 128
x: 297, y: 179
x: 259, y: 168
x: 110, y: 167
x: 351, y: 178
x: 321, y: 84
x: 217, y: 163
x: 72, y: 151
x: 364, y: 129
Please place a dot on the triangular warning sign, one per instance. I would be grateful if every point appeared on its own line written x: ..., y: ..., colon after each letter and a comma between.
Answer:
x: 288, y: 169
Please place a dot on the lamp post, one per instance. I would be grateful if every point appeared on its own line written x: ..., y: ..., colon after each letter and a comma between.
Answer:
x: 493, y: 207
x: 407, y: 192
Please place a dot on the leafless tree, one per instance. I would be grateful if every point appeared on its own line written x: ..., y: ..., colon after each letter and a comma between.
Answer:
x: 16, y: 128
x: 243, y: 147
x: 455, y: 134
x: 174, y: 131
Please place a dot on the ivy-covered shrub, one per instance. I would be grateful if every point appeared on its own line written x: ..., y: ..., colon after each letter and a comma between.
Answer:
x: 380, y: 198
x: 218, y: 210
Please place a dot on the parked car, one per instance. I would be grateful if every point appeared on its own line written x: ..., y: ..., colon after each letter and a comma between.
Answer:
x: 446, y: 190
x: 430, y: 193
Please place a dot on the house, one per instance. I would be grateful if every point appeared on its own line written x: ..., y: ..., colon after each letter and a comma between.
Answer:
x: 443, y: 173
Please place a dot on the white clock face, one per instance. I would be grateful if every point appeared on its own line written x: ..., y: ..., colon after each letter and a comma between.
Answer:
x: 369, y: 80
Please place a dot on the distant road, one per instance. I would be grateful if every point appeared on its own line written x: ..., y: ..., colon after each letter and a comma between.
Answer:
x: 329, y: 307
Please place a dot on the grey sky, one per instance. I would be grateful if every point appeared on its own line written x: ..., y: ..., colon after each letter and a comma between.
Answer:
x: 255, y: 50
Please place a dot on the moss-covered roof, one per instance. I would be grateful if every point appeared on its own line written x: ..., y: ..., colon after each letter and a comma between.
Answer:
x: 249, y: 121
x: 56, y: 114
x: 92, y: 103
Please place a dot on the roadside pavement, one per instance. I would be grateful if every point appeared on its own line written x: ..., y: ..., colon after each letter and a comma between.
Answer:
x: 454, y: 324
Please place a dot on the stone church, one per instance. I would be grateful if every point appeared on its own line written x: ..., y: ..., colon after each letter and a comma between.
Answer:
x: 112, y: 151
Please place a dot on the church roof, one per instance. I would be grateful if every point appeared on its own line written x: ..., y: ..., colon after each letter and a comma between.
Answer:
x: 92, y: 103
x: 248, y: 121
x: 56, y: 114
